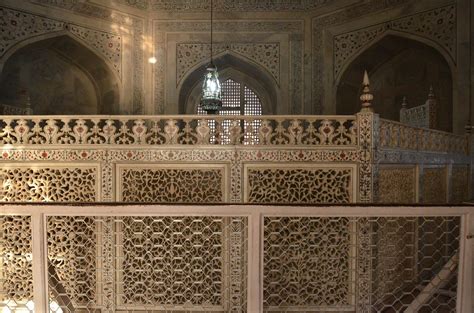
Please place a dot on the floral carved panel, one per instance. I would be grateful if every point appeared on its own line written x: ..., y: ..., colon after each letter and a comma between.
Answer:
x: 299, y: 184
x: 16, y: 268
x: 396, y: 185
x: 16, y: 26
x: 434, y: 185
x: 109, y: 45
x: 48, y: 184
x: 265, y: 54
x: 172, y: 184
x: 459, y: 184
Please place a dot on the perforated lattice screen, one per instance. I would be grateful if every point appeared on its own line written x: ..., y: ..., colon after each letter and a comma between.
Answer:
x: 252, y: 104
x: 231, y: 94
x: 237, y: 99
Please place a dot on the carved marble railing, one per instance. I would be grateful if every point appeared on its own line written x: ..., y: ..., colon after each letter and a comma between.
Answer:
x: 105, y: 158
x: 394, y: 135
x: 179, y: 130
x: 232, y: 258
x: 420, y: 116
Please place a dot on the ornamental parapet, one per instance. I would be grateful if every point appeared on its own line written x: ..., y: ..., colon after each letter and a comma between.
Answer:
x: 238, y: 159
x: 179, y: 130
x: 395, y: 135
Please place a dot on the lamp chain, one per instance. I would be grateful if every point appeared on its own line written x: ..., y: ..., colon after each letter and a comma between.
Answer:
x: 212, y: 17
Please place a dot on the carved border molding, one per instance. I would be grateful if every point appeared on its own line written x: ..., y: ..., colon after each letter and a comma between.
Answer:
x: 17, y: 26
x: 224, y: 5
x: 294, y: 28
x: 186, y: 6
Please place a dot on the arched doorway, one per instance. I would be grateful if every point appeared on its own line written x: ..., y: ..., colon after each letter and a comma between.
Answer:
x: 398, y: 67
x: 239, y: 70
x: 59, y: 75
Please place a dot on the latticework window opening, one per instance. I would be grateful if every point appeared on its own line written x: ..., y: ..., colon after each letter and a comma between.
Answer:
x: 237, y: 99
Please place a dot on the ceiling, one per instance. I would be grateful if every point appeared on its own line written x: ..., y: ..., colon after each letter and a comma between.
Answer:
x: 219, y: 5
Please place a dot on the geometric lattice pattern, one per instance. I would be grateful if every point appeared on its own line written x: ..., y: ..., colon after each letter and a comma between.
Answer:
x: 72, y: 246
x: 394, y: 255
x: 172, y: 185
x: 374, y: 264
x: 185, y: 263
x: 299, y: 185
x: 16, y: 272
x: 414, y: 257
x: 307, y: 262
x: 25, y: 184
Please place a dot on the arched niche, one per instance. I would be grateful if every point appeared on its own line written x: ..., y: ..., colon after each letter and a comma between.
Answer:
x: 236, y: 68
x: 59, y: 75
x: 399, y: 66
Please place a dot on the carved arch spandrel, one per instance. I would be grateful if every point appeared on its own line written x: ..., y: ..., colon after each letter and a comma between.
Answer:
x: 237, y: 67
x: 102, y: 73
x: 432, y: 44
x: 436, y: 28
x: 265, y: 55
x: 327, y: 27
x: 106, y: 45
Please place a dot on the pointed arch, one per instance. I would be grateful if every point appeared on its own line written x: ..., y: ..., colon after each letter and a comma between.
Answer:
x: 101, y: 72
x: 398, y: 34
x: 399, y: 65
x: 233, y: 66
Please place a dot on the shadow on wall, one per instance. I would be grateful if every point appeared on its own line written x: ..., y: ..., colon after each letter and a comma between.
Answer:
x: 59, y: 76
x: 399, y: 67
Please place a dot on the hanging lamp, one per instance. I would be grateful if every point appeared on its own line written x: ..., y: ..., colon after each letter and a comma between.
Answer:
x: 211, y: 99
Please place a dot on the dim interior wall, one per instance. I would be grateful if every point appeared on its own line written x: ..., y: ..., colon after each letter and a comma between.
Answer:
x: 422, y: 183
x: 310, y: 51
